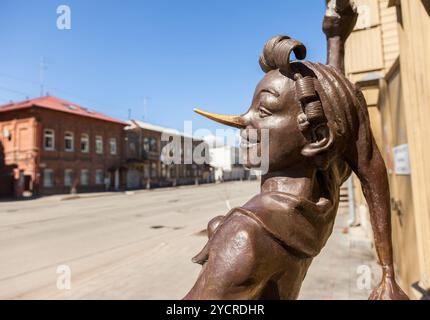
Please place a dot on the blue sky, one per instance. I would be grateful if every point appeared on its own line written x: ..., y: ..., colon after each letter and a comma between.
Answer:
x: 180, y: 54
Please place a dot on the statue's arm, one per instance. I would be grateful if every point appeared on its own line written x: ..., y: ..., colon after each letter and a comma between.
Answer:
x: 367, y: 163
x: 339, y: 21
x: 374, y: 180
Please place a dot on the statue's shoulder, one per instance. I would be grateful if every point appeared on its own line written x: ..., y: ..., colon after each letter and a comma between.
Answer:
x: 292, y: 220
x: 284, y: 198
x: 274, y: 201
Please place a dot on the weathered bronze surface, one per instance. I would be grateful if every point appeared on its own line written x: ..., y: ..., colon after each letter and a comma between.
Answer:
x: 319, y: 133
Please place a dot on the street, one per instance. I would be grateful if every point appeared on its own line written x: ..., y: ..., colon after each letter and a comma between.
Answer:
x: 138, y: 245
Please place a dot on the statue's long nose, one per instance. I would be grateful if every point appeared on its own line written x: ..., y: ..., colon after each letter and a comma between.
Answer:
x: 232, y: 121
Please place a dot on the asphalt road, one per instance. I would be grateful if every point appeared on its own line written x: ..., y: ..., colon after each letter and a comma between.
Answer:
x: 136, y: 245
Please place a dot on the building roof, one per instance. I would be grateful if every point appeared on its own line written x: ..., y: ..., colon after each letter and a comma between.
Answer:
x: 153, y: 127
x: 150, y: 126
x: 57, y: 104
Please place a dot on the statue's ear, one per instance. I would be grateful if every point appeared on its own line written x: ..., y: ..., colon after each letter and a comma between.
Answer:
x: 322, y: 142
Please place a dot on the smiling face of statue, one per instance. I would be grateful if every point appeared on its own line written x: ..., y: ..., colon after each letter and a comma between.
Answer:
x: 275, y: 108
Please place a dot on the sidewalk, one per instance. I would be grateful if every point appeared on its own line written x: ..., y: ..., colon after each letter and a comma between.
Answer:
x: 335, y: 272
x: 83, y: 195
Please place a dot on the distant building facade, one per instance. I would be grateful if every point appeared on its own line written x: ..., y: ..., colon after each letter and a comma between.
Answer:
x: 49, y: 145
x: 225, y: 161
x: 144, y: 156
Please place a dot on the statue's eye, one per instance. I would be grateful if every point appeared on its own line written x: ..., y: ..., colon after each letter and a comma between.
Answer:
x: 263, y: 112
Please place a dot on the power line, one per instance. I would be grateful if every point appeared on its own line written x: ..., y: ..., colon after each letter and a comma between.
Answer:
x: 49, y: 88
x: 18, y: 79
x: 64, y: 91
x: 15, y: 91
x: 26, y: 94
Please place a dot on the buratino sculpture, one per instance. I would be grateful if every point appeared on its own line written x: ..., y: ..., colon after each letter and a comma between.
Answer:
x: 319, y: 132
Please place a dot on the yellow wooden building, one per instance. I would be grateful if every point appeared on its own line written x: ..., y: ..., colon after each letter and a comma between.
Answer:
x: 388, y: 55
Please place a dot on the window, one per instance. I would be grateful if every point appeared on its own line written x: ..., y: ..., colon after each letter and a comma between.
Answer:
x: 85, y: 143
x: 68, y: 177
x: 48, y: 139
x: 153, y: 170
x: 99, y: 144
x: 48, y: 178
x: 150, y: 144
x: 68, y: 141
x: 132, y: 148
x: 99, y: 176
x: 7, y: 134
x: 153, y: 145
x: 146, y: 144
x: 112, y: 144
x: 84, y: 177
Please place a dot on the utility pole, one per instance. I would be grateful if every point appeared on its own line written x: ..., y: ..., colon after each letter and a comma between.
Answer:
x: 42, y: 68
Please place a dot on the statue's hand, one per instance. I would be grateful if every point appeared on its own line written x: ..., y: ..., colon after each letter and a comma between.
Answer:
x: 340, y: 18
x: 388, y: 289
x: 213, y: 225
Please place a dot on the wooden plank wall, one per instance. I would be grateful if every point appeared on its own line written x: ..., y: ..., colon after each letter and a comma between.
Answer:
x: 373, y: 46
x: 390, y: 36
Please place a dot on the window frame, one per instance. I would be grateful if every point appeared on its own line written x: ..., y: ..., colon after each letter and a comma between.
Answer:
x: 85, y: 136
x: 101, y: 182
x: 115, y: 151
x: 47, y: 132
x: 72, y: 139
x: 52, y: 184
x: 153, y: 145
x: 100, y: 138
x: 146, y: 144
x: 132, y: 147
x: 71, y: 178
x: 88, y: 177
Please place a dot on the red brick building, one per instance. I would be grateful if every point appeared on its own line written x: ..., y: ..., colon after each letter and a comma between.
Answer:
x: 49, y: 145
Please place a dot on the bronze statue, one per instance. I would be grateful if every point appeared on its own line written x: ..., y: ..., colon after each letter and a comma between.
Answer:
x: 319, y: 133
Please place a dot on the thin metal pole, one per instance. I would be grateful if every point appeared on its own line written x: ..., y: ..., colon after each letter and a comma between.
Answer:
x: 351, y: 203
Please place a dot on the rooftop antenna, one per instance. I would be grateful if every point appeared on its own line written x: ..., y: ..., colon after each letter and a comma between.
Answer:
x: 129, y: 113
x: 42, y: 68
